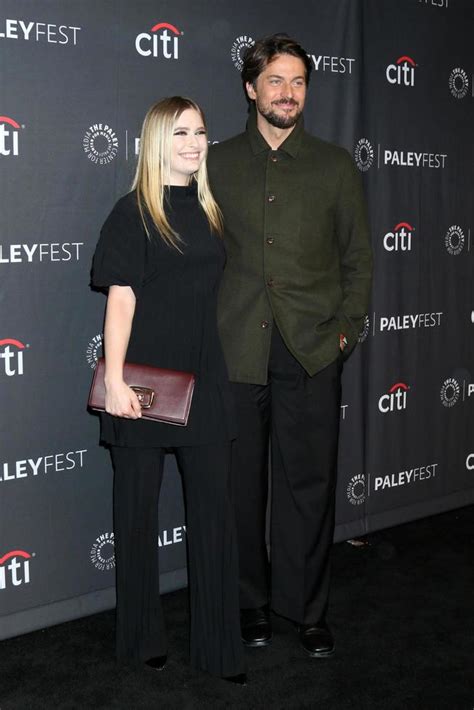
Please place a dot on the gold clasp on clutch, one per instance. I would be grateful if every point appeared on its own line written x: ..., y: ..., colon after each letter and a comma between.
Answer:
x: 145, y: 396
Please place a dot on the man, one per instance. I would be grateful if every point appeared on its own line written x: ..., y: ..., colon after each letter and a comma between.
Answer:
x: 293, y: 299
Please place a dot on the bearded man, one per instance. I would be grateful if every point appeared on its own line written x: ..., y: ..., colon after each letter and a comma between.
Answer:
x: 292, y: 302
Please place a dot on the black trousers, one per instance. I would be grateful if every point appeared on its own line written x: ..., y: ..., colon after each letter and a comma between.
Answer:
x: 300, y: 416
x: 215, y: 643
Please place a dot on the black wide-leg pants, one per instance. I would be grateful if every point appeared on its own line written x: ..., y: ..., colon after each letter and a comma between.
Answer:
x: 300, y: 416
x: 215, y: 643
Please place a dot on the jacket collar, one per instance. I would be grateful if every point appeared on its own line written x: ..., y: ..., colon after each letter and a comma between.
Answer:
x: 258, y: 144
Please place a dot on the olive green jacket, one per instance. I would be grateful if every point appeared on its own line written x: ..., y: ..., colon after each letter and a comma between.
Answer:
x: 298, y: 250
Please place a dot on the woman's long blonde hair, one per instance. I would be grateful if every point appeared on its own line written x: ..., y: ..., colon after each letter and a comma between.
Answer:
x: 152, y: 175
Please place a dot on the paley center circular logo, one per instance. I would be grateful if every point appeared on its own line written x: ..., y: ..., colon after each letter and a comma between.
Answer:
x: 365, y: 330
x: 454, y: 240
x: 356, y: 489
x: 100, y: 144
x: 458, y: 83
x: 102, y: 552
x: 450, y: 392
x: 364, y: 154
x: 238, y: 48
x: 92, y: 352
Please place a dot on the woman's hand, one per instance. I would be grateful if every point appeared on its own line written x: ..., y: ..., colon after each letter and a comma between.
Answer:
x: 121, y: 401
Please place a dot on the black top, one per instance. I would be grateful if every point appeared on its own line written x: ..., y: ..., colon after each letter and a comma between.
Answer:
x: 175, y: 323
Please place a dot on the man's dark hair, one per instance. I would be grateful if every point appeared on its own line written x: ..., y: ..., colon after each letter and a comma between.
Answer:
x: 265, y: 50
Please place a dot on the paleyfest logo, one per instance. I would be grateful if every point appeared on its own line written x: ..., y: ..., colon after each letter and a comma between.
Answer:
x: 45, y: 32
x: 402, y: 72
x: 100, y: 144
x: 44, y: 465
x: 404, y: 478
x: 46, y: 252
x: 435, y: 3
x: 332, y: 64
x: 241, y: 44
x: 414, y: 159
x: 9, y: 131
x: 364, y: 156
x: 162, y: 41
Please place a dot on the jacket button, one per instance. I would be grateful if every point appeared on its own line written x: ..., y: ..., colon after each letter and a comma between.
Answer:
x: 270, y: 283
x: 273, y: 158
x: 271, y: 198
x: 264, y: 324
x: 270, y: 240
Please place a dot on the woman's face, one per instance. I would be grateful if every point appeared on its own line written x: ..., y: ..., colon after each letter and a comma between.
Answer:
x: 188, y: 147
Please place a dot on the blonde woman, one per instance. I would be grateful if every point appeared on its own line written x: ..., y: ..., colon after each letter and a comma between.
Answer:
x: 160, y: 257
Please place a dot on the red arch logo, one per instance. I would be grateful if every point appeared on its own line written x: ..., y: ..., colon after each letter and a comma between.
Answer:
x: 165, y: 26
x: 12, y: 341
x: 397, y: 386
x: 11, y: 121
x: 405, y: 58
x: 14, y: 553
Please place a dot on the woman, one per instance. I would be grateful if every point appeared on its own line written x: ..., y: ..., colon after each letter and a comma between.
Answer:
x: 160, y: 256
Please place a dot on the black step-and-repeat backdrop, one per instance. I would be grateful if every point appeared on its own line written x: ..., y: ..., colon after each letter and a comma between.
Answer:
x: 393, y: 83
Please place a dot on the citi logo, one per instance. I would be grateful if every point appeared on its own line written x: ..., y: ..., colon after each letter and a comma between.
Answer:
x: 11, y: 352
x: 9, y: 136
x: 15, y: 568
x: 395, y: 400
x: 159, y: 42
x: 400, y: 238
x: 402, y: 72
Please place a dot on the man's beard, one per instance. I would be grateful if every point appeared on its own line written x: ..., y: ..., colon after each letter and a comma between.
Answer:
x: 279, y: 120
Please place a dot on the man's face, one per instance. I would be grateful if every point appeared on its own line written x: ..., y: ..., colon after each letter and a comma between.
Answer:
x: 280, y: 91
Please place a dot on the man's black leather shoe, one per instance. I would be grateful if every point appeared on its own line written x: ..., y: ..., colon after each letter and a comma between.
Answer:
x: 316, y: 639
x: 255, y: 626
x: 157, y: 662
x: 240, y: 679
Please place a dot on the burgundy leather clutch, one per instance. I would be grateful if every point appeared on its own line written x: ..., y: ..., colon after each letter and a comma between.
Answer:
x: 164, y: 395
